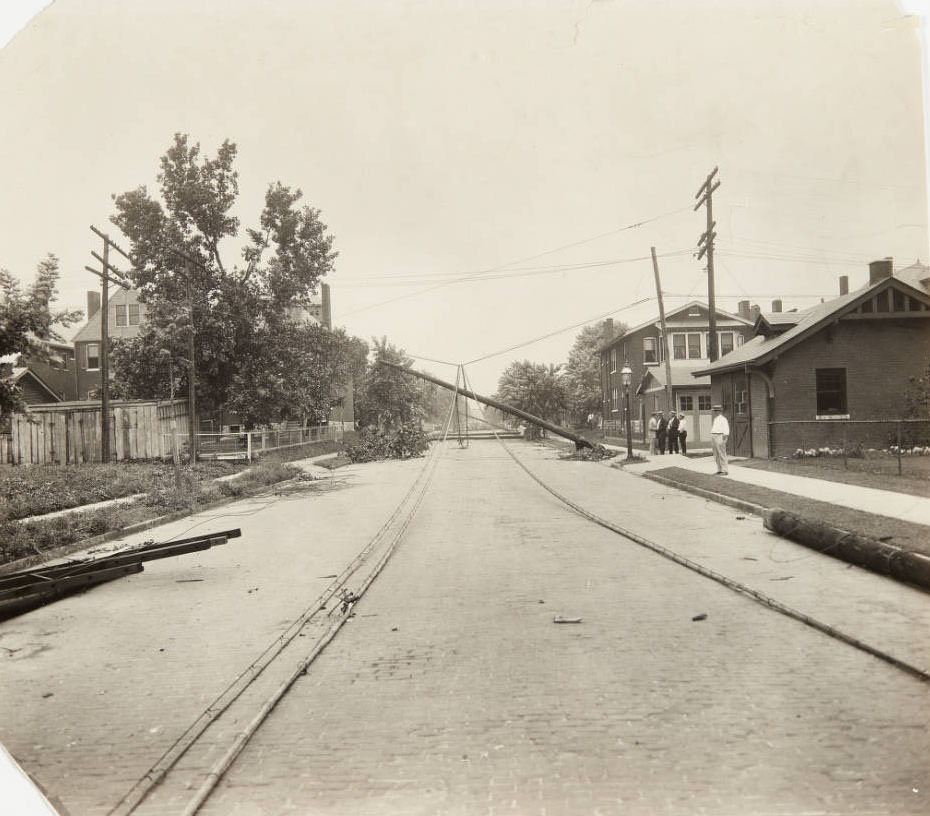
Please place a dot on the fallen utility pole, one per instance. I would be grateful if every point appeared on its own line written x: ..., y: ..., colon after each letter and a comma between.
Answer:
x: 580, y: 441
x: 665, y: 349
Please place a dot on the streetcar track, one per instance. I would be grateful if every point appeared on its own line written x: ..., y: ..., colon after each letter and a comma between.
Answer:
x: 760, y: 597
x: 384, y: 546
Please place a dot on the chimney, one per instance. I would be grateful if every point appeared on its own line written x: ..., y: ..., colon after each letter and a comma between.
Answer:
x: 607, y: 331
x: 93, y: 304
x: 743, y: 309
x: 879, y: 270
x: 844, y: 284
x: 327, y: 315
x: 776, y: 305
x: 755, y: 311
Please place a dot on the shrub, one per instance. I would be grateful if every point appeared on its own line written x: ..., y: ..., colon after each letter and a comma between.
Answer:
x: 403, y: 442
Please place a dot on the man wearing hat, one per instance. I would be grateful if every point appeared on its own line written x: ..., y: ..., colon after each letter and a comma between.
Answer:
x: 719, y: 433
x: 653, y: 432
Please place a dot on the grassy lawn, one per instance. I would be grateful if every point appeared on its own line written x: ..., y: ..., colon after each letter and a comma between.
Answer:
x: 33, y: 491
x: 878, y: 471
x: 904, y: 534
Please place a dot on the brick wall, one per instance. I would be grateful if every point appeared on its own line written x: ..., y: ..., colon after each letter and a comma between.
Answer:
x: 880, y: 357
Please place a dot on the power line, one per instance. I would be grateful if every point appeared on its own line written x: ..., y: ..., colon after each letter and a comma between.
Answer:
x: 559, y: 331
x: 502, y: 267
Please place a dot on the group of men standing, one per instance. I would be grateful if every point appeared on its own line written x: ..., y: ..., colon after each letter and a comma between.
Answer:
x: 670, y: 431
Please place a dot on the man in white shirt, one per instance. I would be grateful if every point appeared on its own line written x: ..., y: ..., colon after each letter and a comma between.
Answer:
x: 719, y: 433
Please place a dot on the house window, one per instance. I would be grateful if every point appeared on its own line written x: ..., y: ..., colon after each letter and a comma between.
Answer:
x: 121, y: 316
x: 831, y: 392
x: 703, y: 402
x: 93, y: 356
x: 685, y: 403
x: 694, y: 346
x: 679, y: 350
x: 742, y: 402
x: 613, y: 360
x: 650, y: 356
x: 133, y: 314
x: 739, y: 340
x: 613, y: 400
x: 726, y: 343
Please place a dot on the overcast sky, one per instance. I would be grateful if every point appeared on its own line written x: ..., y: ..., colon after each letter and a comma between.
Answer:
x: 518, y: 145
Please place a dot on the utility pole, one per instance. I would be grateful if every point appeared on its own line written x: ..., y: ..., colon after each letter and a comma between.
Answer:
x: 668, y: 364
x: 706, y: 246
x: 105, y: 281
x: 191, y: 373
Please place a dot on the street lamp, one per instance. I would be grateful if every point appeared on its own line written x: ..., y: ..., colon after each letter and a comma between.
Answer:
x: 626, y: 377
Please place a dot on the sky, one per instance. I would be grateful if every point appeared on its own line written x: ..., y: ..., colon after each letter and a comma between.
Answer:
x: 493, y: 173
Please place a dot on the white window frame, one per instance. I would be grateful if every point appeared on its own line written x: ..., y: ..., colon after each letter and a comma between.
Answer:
x: 87, y: 357
x: 655, y: 351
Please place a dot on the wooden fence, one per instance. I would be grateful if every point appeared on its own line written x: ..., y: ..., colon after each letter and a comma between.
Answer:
x: 71, y: 433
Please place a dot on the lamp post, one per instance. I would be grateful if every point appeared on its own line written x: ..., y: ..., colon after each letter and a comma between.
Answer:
x: 626, y: 376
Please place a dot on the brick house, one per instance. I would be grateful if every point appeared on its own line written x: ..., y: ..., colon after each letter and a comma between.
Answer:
x: 805, y: 379
x: 125, y: 316
x: 642, y: 348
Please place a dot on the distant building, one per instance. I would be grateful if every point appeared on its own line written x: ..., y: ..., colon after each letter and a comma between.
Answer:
x: 125, y: 317
x: 805, y: 379
x: 642, y: 348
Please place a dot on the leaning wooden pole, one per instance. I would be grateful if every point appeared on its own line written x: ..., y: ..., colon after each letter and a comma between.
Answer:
x: 580, y: 441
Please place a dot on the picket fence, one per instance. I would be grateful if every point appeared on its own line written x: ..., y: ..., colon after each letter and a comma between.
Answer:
x: 71, y: 433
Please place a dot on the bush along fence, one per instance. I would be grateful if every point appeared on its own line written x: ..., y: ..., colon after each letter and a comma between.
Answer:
x: 72, y: 433
x: 887, y: 445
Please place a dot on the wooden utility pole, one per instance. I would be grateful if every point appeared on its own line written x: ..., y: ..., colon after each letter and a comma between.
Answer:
x: 706, y: 246
x: 105, y: 281
x: 191, y: 373
x: 668, y: 363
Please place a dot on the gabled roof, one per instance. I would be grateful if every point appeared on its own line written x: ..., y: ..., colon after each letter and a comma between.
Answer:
x: 761, y: 349
x: 670, y: 316
x: 20, y: 374
x: 917, y: 275
x: 90, y: 331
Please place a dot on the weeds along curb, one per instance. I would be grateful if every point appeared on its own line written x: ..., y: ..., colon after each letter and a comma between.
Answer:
x: 140, y: 526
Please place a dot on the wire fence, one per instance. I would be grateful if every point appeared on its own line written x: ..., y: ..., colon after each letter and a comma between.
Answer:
x: 893, y: 446
x: 250, y: 445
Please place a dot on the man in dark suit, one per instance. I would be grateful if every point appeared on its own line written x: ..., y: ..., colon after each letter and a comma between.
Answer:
x: 673, y: 433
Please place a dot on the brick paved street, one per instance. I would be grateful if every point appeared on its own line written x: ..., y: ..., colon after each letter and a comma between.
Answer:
x: 452, y: 691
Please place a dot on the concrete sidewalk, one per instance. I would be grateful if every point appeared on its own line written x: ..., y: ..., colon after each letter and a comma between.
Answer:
x: 914, y: 509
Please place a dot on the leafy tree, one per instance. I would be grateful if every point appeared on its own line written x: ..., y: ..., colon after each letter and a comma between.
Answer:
x: 27, y: 324
x: 536, y: 388
x: 583, y: 371
x: 389, y: 398
x: 232, y: 309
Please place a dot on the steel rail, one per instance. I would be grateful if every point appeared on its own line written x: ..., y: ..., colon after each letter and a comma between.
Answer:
x: 147, y: 783
x: 760, y: 597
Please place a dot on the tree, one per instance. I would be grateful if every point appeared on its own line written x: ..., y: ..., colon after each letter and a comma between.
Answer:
x: 536, y: 388
x: 27, y: 324
x: 231, y: 309
x: 583, y: 371
x: 390, y: 398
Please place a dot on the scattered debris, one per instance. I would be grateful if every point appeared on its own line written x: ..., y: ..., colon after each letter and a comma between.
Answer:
x: 188, y: 580
x: 749, y: 558
x: 741, y: 518
x: 596, y: 454
x: 348, y: 598
x: 700, y: 617
x: 321, y: 577
x: 785, y: 578
x: 560, y: 619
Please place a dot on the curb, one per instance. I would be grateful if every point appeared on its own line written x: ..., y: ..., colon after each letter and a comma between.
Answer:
x: 710, y: 495
x: 140, y: 526
x: 864, y: 552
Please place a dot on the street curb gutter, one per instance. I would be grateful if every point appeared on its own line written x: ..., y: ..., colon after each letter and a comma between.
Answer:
x: 710, y: 495
x: 862, y: 551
